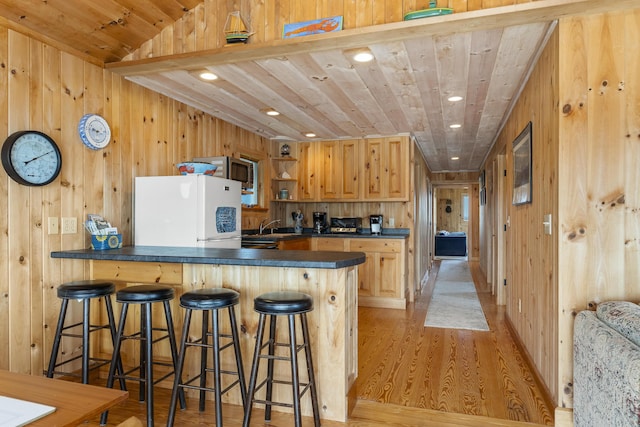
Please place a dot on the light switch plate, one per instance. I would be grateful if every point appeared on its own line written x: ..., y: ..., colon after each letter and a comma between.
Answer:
x: 53, y: 225
x: 547, y: 224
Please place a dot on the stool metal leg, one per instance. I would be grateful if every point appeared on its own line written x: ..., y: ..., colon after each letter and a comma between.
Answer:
x: 148, y: 365
x: 238, y: 353
x: 115, y: 356
x: 254, y: 371
x: 174, y: 348
x: 178, y: 374
x: 295, y: 381
x: 57, y: 338
x: 310, y: 372
x: 86, y: 327
x: 203, y: 357
x: 216, y: 366
x: 114, y: 335
x: 272, y: 352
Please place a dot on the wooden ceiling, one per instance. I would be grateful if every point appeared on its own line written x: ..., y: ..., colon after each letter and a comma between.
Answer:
x: 484, y: 56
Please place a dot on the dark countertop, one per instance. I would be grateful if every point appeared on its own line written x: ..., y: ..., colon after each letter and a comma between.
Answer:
x: 243, y: 257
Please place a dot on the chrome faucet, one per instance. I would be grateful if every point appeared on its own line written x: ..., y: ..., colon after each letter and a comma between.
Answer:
x: 264, y: 226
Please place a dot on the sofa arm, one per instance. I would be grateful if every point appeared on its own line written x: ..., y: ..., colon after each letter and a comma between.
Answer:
x: 606, y: 375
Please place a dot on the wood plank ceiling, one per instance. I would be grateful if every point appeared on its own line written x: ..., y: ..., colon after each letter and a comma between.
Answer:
x: 321, y: 90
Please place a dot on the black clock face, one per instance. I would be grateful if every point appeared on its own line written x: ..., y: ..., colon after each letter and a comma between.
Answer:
x: 31, y: 158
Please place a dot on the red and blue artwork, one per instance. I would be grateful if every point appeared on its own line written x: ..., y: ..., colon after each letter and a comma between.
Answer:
x: 317, y: 26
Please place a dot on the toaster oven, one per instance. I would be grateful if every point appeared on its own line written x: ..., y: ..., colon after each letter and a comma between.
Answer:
x: 346, y: 225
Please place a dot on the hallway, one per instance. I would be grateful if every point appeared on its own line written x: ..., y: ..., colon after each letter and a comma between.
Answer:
x: 455, y: 371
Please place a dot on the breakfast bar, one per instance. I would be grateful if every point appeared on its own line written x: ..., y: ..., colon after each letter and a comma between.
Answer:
x: 331, y: 278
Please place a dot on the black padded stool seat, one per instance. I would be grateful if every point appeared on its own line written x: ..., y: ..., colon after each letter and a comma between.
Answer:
x: 84, y: 290
x: 283, y: 303
x: 209, y: 301
x: 145, y: 296
x: 272, y: 305
x: 209, y: 298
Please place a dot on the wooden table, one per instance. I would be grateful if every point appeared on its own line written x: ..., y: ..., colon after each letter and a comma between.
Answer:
x: 74, y: 402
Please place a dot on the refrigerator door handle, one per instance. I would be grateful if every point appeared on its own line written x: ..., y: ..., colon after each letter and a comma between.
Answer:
x: 218, y: 239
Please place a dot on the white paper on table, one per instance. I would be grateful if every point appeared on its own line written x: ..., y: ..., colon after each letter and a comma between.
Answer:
x: 16, y: 412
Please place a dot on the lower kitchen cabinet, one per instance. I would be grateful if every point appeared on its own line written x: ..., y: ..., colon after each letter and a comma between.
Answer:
x: 382, y: 279
x: 303, y: 244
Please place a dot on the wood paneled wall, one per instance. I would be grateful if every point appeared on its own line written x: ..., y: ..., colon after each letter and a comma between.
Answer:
x: 584, y: 100
x: 202, y: 28
x: 45, y: 89
x: 531, y: 256
x: 599, y: 195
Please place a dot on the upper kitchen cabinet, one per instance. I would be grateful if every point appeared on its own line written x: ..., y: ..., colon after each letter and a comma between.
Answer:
x: 307, y: 182
x: 339, y: 170
x: 386, y: 175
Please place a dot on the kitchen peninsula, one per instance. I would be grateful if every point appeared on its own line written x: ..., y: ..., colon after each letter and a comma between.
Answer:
x: 331, y: 278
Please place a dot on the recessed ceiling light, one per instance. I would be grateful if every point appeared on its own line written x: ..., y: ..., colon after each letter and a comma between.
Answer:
x: 455, y: 158
x: 455, y: 98
x: 272, y: 112
x: 310, y: 135
x: 455, y: 126
x: 207, y: 75
x: 363, y: 55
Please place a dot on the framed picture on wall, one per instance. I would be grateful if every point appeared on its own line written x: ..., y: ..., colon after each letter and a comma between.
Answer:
x: 522, y: 169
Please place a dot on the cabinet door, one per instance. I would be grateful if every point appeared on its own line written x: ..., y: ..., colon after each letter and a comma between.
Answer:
x: 367, y: 276
x: 386, y: 169
x: 330, y: 160
x: 307, y: 171
x: 388, y: 269
x: 340, y: 169
x: 304, y: 243
x: 350, y: 169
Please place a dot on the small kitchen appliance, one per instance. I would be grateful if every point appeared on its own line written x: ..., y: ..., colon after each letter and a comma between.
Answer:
x: 319, y: 222
x: 346, y: 225
x: 375, y: 222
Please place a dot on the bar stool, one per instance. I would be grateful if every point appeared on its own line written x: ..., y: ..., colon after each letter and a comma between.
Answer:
x: 145, y: 295
x: 209, y: 301
x: 84, y: 290
x: 275, y: 304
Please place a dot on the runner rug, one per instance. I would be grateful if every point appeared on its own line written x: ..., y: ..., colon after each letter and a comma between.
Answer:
x: 454, y: 303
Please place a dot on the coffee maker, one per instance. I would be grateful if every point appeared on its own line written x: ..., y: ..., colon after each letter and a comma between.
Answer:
x: 319, y: 222
x: 375, y: 221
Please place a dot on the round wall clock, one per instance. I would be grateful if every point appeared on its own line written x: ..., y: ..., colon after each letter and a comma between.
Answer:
x: 31, y: 158
x: 94, y: 131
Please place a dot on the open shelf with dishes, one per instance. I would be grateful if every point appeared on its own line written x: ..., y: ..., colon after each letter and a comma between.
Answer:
x: 284, y: 180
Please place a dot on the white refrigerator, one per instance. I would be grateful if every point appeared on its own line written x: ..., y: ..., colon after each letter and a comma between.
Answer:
x: 187, y: 210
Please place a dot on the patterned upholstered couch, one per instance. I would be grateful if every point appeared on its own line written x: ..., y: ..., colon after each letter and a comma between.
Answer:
x: 606, y: 366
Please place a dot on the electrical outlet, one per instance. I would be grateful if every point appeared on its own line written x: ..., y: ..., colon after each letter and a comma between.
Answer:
x: 69, y: 225
x: 53, y: 225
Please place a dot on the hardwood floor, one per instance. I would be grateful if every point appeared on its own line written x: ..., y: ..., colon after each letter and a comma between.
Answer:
x: 410, y: 375
x: 451, y: 370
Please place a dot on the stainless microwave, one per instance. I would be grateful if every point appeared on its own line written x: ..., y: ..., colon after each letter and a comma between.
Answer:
x: 231, y: 168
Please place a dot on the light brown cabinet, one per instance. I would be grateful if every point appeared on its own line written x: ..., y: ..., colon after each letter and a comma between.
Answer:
x: 339, y: 169
x: 382, y: 280
x: 307, y: 171
x: 303, y: 243
x: 373, y: 169
x: 386, y: 175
